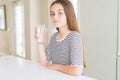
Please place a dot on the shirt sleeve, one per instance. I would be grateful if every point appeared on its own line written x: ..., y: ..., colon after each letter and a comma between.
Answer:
x: 49, y: 48
x: 48, y: 55
x: 76, y: 55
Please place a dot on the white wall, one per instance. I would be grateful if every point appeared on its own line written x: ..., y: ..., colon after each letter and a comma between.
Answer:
x: 36, y: 12
x: 118, y: 58
x: 35, y: 18
x: 118, y: 69
x: 27, y: 28
x: 5, y: 36
x: 99, y: 30
x: 4, y: 48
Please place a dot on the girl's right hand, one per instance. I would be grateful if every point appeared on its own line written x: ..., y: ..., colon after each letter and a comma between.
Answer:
x: 40, y: 35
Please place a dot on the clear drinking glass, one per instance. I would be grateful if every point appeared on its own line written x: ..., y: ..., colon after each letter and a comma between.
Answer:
x: 41, y: 31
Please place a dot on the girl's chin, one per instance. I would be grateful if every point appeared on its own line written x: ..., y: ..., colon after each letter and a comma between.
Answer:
x: 56, y: 26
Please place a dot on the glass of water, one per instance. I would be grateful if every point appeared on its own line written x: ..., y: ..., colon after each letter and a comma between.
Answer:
x: 41, y: 33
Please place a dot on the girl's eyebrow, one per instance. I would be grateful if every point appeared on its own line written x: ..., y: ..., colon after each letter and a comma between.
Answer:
x: 58, y: 10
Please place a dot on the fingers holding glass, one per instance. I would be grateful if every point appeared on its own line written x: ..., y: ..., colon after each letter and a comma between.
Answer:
x: 40, y: 33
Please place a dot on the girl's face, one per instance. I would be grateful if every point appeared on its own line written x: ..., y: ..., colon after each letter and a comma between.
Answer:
x: 58, y: 16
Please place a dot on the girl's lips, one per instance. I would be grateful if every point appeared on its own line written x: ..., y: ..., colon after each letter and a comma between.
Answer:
x: 56, y: 21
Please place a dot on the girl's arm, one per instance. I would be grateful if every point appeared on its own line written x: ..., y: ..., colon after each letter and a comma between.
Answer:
x: 42, y: 54
x: 40, y: 38
x: 71, y: 70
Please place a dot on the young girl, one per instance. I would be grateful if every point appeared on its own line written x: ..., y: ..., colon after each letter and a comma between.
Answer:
x: 65, y: 49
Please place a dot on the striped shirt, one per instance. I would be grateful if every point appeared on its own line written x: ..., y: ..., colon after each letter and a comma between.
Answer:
x: 67, y: 51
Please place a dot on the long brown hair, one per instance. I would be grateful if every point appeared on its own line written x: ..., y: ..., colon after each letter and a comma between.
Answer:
x: 71, y: 18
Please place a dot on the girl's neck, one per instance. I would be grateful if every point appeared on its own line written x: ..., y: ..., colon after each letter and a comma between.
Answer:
x: 63, y: 30
x: 62, y: 33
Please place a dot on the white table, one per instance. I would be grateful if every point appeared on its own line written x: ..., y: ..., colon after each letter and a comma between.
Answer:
x: 16, y: 68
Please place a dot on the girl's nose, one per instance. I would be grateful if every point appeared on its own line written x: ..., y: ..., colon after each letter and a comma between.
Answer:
x: 55, y: 16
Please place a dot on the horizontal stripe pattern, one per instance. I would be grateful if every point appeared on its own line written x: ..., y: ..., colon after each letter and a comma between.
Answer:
x: 66, y: 52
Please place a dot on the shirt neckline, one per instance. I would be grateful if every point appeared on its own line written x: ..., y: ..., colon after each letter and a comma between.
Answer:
x: 63, y: 37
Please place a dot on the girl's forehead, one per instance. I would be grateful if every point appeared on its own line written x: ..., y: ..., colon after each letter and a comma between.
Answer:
x: 56, y: 7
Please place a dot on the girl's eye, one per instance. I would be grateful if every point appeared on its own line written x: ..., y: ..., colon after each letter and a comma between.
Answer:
x: 60, y: 13
x: 52, y: 14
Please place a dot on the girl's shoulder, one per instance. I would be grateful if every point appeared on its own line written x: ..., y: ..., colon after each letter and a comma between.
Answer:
x: 54, y: 35
x: 74, y: 34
